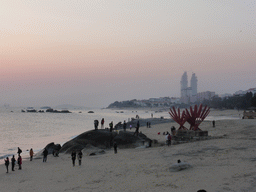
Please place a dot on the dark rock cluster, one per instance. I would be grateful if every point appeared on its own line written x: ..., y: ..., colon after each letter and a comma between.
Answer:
x: 102, y: 139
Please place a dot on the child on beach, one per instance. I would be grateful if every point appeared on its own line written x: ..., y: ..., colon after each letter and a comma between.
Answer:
x: 7, y: 163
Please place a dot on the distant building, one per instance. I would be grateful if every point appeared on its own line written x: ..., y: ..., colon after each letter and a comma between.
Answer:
x: 240, y: 92
x: 188, y: 94
x: 207, y: 95
x: 252, y: 90
x: 194, y: 84
x: 225, y: 95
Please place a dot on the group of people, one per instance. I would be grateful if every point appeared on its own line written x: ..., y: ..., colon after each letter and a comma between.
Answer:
x: 79, y: 157
x: 96, y: 123
x: 13, y: 161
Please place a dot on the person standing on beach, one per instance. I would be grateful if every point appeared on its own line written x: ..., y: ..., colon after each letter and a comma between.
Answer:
x: 79, y: 157
x: 169, y: 140
x: 115, y: 147
x: 166, y: 138
x: 45, y: 153
x: 213, y: 123
x: 102, y: 123
x: 96, y: 124
x: 7, y: 162
x: 19, y: 151
x: 73, y: 157
x: 13, y: 162
x: 137, y: 129
x: 19, y: 162
x: 111, y: 126
x: 124, y: 126
x: 31, y: 153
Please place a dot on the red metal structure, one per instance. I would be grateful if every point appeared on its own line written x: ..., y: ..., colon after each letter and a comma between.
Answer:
x: 196, y: 117
x: 193, y: 117
x: 178, y: 117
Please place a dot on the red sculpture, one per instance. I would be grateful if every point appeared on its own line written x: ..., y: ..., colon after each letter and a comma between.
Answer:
x: 179, y: 118
x: 193, y: 117
x: 196, y: 117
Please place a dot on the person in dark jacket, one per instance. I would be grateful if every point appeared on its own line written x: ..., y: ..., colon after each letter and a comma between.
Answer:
x: 79, y: 157
x: 111, y: 126
x: 19, y: 151
x: 124, y: 126
x: 73, y: 157
x: 19, y: 162
x: 45, y: 153
x: 96, y: 124
x: 13, y: 162
x: 115, y: 147
x: 137, y: 129
x: 7, y: 162
x: 102, y: 123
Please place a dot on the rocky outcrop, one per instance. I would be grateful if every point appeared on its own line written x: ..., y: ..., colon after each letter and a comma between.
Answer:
x: 179, y: 166
x: 53, y: 147
x: 56, y: 111
x: 104, y: 139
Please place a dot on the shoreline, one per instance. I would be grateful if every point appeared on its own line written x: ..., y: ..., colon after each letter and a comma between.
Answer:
x: 221, y: 164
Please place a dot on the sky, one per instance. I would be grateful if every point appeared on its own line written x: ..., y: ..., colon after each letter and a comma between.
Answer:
x: 94, y: 52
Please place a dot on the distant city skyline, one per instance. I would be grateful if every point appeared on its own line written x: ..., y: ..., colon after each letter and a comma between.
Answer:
x: 92, y: 53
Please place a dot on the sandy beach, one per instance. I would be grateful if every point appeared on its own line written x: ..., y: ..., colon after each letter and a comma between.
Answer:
x: 224, y: 164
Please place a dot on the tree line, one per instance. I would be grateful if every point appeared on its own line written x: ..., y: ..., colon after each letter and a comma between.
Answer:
x: 242, y: 102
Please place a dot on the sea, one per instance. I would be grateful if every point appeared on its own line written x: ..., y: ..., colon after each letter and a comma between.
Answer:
x: 28, y: 130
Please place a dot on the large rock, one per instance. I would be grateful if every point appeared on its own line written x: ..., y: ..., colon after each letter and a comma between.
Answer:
x: 53, y: 147
x: 103, y: 139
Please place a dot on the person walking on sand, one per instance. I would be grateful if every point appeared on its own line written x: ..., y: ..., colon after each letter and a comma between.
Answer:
x: 7, y: 162
x: 19, y: 151
x: 79, y: 157
x: 115, y: 147
x: 73, y: 157
x: 124, y: 126
x: 45, y: 153
x: 31, y: 153
x: 13, y: 160
x: 137, y: 129
x: 102, y: 123
x: 111, y: 126
x: 19, y: 162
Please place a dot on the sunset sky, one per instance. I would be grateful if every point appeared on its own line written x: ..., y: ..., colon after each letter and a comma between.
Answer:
x: 94, y: 52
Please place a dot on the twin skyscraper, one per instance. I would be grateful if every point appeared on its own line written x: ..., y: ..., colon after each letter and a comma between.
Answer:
x: 188, y: 94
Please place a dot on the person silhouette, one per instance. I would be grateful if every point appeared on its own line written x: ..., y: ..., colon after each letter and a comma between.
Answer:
x: 7, y: 162
x: 13, y: 160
